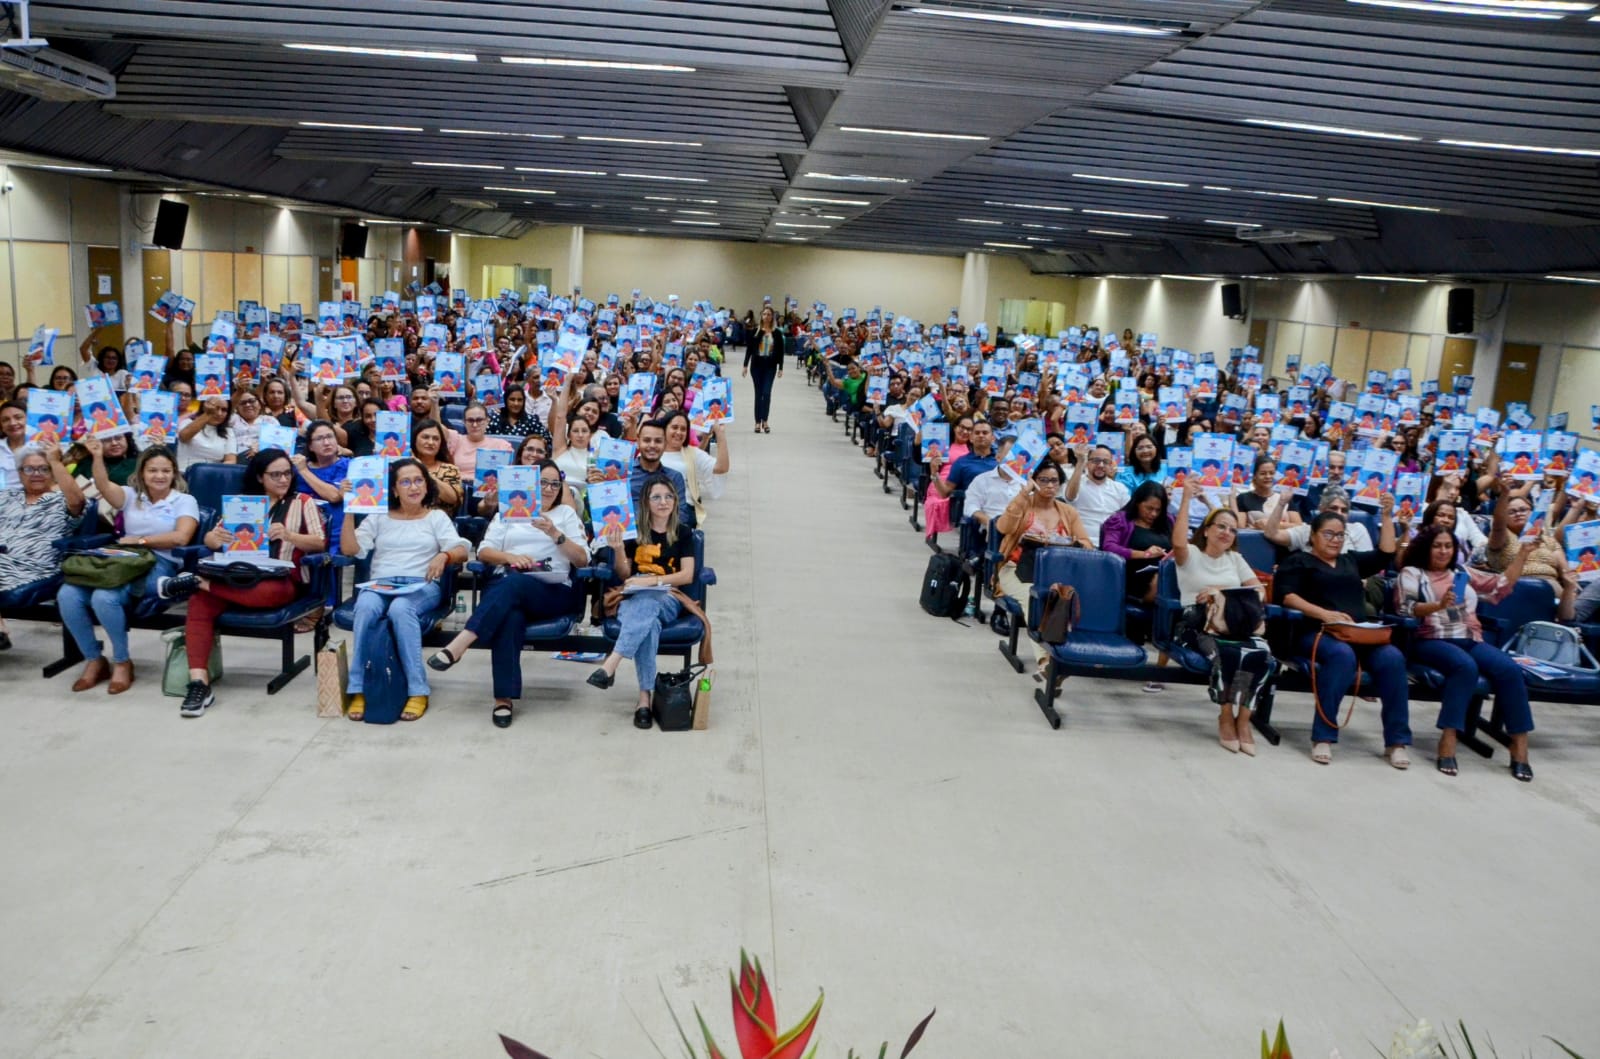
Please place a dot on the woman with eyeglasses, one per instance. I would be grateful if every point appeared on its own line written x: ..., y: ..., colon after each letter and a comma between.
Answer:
x: 1325, y: 585
x: 464, y: 453
x: 1208, y: 563
x: 660, y: 559
x: 1547, y: 561
x: 46, y: 506
x: 1444, y: 596
x: 294, y: 530
x: 1035, y: 518
x: 205, y: 437
x: 341, y: 406
x: 157, y: 514
x: 536, y: 585
x: 411, y: 544
x: 245, y: 423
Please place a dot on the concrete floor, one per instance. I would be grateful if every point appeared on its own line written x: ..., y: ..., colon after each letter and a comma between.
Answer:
x: 878, y: 809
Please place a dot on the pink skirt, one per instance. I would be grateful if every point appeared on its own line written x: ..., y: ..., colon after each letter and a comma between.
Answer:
x: 935, y: 512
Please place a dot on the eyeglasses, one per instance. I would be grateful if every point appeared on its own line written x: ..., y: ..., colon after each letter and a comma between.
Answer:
x: 550, y: 483
x: 1099, y: 459
x: 280, y: 475
x: 663, y: 499
x: 34, y: 472
x: 1048, y: 480
x: 476, y: 419
x: 1331, y: 536
x: 411, y: 483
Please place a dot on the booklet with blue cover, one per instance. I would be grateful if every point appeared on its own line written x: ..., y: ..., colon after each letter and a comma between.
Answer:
x: 158, y: 417
x: 486, y: 471
x: 610, y: 504
x: 518, y: 493
x: 369, y: 484
x: 246, y: 518
x: 102, y: 412
x: 392, y: 435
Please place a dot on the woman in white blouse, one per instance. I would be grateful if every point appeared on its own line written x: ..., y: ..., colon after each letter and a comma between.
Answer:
x: 539, y: 556
x: 704, y: 476
x: 411, y: 544
x: 206, y: 438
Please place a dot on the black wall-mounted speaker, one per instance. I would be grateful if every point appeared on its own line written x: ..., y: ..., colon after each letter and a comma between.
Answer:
x: 353, y: 241
x: 171, y: 219
x: 1232, y: 301
x: 1459, y: 311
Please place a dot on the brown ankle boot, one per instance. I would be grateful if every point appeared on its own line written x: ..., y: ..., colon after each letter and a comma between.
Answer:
x: 121, y: 677
x: 95, y: 672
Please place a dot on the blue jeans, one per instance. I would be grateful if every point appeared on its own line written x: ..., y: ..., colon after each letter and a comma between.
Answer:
x: 405, y: 614
x: 642, y: 615
x: 507, y: 607
x: 1336, y: 672
x: 1462, y: 662
x: 80, y: 607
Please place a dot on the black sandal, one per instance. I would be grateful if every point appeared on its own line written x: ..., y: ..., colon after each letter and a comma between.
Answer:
x: 442, y: 659
x: 1521, y: 770
x: 1447, y: 765
x: 501, y: 715
x: 642, y: 718
x: 601, y: 679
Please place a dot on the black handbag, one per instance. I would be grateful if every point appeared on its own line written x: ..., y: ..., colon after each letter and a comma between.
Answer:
x: 241, y: 573
x: 672, y: 703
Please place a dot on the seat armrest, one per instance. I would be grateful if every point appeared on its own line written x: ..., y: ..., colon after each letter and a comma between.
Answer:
x: 596, y: 572
x: 94, y: 540
x: 707, y: 576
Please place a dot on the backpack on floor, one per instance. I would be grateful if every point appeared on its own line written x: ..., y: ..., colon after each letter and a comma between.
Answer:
x: 383, y: 678
x: 945, y: 587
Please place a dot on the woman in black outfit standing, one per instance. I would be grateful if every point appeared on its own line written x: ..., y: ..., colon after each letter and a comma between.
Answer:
x: 764, y: 350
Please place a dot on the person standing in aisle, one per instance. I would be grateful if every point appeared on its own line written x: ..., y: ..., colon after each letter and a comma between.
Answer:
x: 764, y: 351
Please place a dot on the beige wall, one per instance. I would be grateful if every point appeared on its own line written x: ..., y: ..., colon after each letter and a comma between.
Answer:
x: 1185, y: 314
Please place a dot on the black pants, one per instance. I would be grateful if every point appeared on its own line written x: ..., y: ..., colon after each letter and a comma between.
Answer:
x: 513, y: 601
x: 762, y: 371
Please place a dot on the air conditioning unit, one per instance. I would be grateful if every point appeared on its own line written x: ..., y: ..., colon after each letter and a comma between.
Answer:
x: 53, y: 75
x: 1281, y: 235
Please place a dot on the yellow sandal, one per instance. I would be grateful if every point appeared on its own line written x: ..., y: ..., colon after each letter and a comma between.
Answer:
x: 415, y: 707
x: 358, y: 707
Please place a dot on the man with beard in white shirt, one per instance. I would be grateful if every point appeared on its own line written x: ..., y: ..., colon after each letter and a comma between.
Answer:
x: 1097, y: 495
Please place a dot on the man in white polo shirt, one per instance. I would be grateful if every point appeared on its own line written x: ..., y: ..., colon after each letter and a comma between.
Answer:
x: 1096, y: 494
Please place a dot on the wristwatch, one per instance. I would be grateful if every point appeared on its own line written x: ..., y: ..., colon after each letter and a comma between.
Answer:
x: 561, y: 540
x: 141, y: 542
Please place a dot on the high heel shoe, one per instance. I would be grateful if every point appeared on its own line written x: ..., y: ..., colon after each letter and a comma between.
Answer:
x: 1226, y: 735
x: 1247, y: 739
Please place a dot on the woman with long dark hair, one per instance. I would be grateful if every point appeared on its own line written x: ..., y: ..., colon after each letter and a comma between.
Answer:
x: 764, y: 352
x: 1140, y: 533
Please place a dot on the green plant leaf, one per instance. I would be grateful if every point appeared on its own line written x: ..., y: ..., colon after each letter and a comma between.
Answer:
x: 688, y: 1048
x: 1564, y: 1048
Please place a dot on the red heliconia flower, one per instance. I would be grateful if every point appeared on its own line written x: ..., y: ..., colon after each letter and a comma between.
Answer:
x: 755, y: 1015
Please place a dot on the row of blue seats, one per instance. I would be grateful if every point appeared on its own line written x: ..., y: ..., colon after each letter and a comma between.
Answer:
x: 323, y: 594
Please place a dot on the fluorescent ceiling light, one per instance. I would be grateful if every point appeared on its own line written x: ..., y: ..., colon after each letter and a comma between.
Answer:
x: 1393, y: 279
x: 911, y: 134
x: 705, y: 224
x: 375, y: 220
x: 518, y: 191
x: 1191, y: 279
x: 644, y: 142
x: 1029, y: 206
x: 442, y: 231
x: 359, y: 127
x: 976, y: 220
x: 458, y: 165
x: 1235, y: 224
x: 64, y: 168
x: 1383, y: 205
x: 697, y: 213
x: 1010, y: 246
x: 1574, y: 279
x: 829, y: 202
x: 392, y: 53
x: 1084, y: 25
x: 859, y: 177
x: 1106, y: 231
x: 1531, y: 148
x: 560, y: 172
x: 1286, y: 195
x: 1125, y: 213
x: 653, y: 176
x: 791, y: 224
x: 1130, y: 180
x: 1039, y: 239
x: 596, y: 64
x: 1215, y: 187
x: 497, y: 132
x: 1482, y: 7
x: 1334, y: 130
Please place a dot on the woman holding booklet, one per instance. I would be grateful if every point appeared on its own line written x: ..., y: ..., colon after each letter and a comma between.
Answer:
x: 1035, y: 518
x: 538, y: 555
x: 410, y: 545
x: 1444, y: 596
x: 1208, y: 567
x: 294, y: 530
x: 157, y: 514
